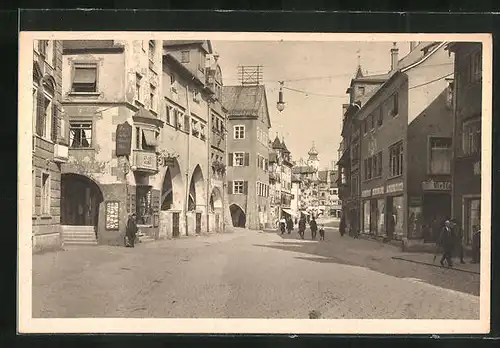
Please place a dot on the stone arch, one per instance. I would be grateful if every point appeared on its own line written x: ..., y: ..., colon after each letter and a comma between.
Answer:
x: 238, y: 215
x: 216, y: 200
x: 49, y: 84
x: 196, y: 190
x: 80, y: 200
x: 172, y: 191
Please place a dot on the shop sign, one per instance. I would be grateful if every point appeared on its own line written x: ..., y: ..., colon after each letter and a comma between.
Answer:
x: 366, y: 193
x: 395, y: 187
x: 432, y: 185
x: 378, y: 191
x: 477, y: 168
x: 123, y: 139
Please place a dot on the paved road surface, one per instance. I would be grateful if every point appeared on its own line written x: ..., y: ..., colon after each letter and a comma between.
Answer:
x: 248, y: 274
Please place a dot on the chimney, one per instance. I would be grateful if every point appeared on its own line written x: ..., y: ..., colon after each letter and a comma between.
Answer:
x: 394, y: 56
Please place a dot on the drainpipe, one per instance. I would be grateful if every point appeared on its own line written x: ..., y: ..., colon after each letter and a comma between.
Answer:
x: 186, y: 203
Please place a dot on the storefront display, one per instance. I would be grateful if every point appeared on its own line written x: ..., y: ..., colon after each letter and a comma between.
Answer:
x: 381, y: 217
x: 398, y: 215
x: 366, y: 217
x: 414, y: 222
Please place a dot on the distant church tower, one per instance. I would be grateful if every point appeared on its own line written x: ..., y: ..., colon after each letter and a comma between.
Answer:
x: 313, y: 160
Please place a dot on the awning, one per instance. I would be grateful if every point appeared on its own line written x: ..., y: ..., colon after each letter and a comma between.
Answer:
x: 85, y: 75
x: 150, y: 137
x: 288, y: 211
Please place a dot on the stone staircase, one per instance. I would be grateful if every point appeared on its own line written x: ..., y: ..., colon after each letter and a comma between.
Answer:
x: 78, y: 235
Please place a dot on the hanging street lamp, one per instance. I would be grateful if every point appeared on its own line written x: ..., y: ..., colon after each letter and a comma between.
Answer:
x: 280, y: 105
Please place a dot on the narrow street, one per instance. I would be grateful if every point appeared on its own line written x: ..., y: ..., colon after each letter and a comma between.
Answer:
x: 249, y: 274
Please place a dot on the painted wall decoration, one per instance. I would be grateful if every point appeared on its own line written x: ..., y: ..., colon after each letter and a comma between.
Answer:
x: 112, y: 215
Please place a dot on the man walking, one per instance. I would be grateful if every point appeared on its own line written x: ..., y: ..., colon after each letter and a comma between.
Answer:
x: 314, y: 228
x: 131, y: 231
x: 447, y: 241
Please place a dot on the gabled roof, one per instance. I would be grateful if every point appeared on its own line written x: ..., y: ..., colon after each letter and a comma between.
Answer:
x: 245, y: 101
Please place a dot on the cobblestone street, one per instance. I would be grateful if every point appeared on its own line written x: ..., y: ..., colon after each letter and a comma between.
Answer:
x: 249, y: 274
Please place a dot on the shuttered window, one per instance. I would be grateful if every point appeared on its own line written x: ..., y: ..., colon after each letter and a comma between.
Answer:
x: 55, y: 124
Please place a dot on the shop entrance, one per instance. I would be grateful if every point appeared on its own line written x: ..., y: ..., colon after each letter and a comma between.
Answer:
x: 436, y: 209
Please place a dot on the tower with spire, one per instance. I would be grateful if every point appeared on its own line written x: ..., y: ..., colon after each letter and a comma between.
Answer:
x: 313, y: 160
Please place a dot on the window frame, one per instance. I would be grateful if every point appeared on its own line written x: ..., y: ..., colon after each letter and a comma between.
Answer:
x: 235, y: 192
x: 138, y: 88
x: 183, y: 56
x: 84, y: 65
x: 238, y: 130
x: 430, y: 149
x: 242, y: 153
x: 471, y: 124
x: 82, y: 121
x: 398, y: 158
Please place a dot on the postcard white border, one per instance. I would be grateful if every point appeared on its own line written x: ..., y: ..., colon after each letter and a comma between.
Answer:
x: 27, y: 324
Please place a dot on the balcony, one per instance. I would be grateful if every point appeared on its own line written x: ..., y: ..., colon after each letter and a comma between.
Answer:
x: 145, y: 161
x: 60, y: 153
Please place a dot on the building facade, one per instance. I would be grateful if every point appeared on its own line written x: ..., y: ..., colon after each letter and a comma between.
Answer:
x: 193, y: 140
x: 467, y: 147
x: 248, y: 155
x: 111, y: 94
x: 405, y: 177
x: 329, y: 202
x: 280, y: 180
x: 306, y: 173
x: 49, y: 146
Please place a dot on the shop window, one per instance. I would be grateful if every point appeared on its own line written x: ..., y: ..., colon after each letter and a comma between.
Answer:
x: 396, y: 159
x: 471, y: 137
x: 80, y: 134
x: 366, y: 216
x: 473, y: 218
x: 84, y: 78
x: 45, y: 194
x: 381, y: 216
x: 440, y: 155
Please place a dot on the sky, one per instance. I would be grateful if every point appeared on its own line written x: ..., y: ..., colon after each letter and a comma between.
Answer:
x: 324, y: 68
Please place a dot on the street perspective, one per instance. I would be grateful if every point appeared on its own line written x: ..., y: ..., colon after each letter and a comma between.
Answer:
x: 266, y: 179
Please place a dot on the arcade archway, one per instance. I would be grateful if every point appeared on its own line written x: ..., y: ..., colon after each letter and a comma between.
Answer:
x: 80, y: 199
x: 238, y: 216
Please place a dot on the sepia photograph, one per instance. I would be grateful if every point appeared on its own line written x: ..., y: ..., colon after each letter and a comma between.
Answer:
x: 263, y: 182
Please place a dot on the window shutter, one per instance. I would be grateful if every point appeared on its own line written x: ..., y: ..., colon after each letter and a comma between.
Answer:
x: 55, y: 124
x: 247, y: 159
x: 245, y: 187
x: 39, y: 112
x: 230, y: 159
x: 229, y: 187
